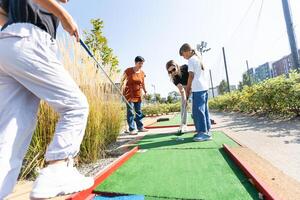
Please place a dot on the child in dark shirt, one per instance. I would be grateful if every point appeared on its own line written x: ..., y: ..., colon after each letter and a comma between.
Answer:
x: 179, y: 76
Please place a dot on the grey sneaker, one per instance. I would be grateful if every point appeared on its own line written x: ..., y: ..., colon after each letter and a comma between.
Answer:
x: 207, y: 137
x: 209, y: 134
x: 200, y: 137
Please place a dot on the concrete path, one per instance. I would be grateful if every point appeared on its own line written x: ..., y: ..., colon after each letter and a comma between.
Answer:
x: 277, y: 141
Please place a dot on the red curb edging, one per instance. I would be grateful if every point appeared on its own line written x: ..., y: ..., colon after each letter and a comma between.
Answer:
x: 255, y: 180
x: 87, y: 194
x: 169, y: 126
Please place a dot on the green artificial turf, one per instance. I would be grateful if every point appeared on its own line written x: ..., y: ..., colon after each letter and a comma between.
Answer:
x: 168, y: 141
x: 181, y: 170
x: 176, y: 120
x: 186, y: 174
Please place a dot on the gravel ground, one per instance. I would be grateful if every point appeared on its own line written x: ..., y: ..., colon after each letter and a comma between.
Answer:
x: 277, y: 141
x: 94, y: 168
x: 112, y: 153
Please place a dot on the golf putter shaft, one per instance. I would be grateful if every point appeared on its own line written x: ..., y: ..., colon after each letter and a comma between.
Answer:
x: 111, y: 81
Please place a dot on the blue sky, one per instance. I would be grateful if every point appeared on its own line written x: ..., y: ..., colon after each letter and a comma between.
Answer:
x: 155, y: 29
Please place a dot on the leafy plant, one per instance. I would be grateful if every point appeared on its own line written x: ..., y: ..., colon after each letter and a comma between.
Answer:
x: 277, y: 96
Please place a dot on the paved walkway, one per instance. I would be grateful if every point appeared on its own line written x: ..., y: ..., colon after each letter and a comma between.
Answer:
x: 277, y: 141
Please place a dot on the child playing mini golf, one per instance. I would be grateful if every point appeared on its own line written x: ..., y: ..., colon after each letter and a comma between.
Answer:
x: 179, y: 76
x: 197, y: 85
x: 30, y: 71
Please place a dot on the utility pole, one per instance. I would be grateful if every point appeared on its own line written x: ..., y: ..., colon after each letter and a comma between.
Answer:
x: 248, y: 72
x: 224, y: 56
x: 212, y: 85
x: 291, y: 32
x: 154, y: 93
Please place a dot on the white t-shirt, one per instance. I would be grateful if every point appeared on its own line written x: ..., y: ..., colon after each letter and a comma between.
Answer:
x: 200, y: 81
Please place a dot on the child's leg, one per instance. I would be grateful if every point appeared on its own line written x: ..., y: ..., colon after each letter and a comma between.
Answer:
x: 199, y: 111
x: 207, y: 115
x: 37, y: 68
x: 183, y: 112
x: 32, y: 62
x: 18, y: 108
x: 48, y: 80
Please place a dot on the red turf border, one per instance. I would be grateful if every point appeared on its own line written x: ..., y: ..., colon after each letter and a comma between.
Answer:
x: 257, y: 182
x: 88, y: 194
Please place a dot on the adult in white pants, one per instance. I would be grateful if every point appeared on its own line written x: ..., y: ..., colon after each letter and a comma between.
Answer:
x: 29, y: 72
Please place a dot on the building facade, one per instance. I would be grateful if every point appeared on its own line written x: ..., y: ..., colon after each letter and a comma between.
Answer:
x: 263, y: 72
x: 282, y: 66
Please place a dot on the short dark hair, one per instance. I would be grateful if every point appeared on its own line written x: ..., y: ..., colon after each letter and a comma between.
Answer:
x: 139, y: 59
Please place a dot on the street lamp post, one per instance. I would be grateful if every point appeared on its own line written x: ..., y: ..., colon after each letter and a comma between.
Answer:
x: 202, y: 47
x: 154, y: 92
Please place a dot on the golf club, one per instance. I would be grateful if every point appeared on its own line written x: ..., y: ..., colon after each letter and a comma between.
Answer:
x: 111, y: 81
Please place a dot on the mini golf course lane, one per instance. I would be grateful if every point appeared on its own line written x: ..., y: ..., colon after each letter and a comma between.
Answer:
x: 168, y: 141
x: 188, y: 170
x: 176, y: 120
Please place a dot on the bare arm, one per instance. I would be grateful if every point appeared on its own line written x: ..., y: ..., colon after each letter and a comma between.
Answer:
x: 181, y: 91
x: 123, y: 82
x: 144, y: 88
x: 3, y: 17
x: 189, y: 85
x: 65, y: 18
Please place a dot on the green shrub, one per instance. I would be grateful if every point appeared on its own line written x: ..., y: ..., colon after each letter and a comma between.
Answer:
x: 276, y: 96
x: 158, y: 109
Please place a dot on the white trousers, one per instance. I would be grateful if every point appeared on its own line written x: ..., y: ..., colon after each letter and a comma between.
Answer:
x: 183, y: 110
x: 30, y: 71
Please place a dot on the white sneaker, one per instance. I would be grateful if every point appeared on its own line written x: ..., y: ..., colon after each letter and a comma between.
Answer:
x: 184, y: 128
x: 59, y: 179
x: 133, y: 132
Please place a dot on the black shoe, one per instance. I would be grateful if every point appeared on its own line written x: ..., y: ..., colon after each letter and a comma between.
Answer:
x: 179, y: 133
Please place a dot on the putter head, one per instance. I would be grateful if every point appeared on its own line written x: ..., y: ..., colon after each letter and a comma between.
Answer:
x: 162, y: 119
x: 179, y: 133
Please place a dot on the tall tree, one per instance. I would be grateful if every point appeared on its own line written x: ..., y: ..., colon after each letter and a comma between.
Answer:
x: 246, y: 81
x: 95, y: 40
x: 157, y: 97
x: 148, y: 97
x: 223, y: 87
x: 173, y: 97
